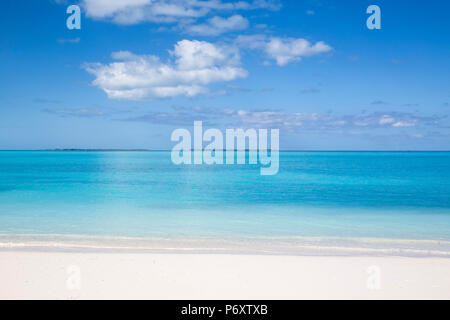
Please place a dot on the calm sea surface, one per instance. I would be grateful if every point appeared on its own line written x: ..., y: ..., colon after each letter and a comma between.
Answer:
x: 395, y: 195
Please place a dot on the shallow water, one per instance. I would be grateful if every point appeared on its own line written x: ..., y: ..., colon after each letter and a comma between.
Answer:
x: 346, y: 195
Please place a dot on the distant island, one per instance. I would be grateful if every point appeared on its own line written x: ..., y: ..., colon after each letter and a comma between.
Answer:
x: 57, y: 149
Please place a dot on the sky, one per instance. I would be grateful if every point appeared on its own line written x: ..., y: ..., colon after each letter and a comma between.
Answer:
x: 139, y: 69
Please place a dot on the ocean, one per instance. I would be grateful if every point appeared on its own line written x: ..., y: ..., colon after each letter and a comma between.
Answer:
x: 389, y: 200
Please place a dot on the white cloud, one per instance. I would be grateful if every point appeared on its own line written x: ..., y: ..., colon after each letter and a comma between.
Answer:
x: 196, y: 64
x: 401, y: 124
x: 326, y: 122
x: 386, y: 119
x: 293, y: 121
x: 110, y: 8
x: 288, y: 50
x: 201, y: 54
x: 217, y: 25
x: 166, y: 11
x: 283, y: 50
x: 400, y: 120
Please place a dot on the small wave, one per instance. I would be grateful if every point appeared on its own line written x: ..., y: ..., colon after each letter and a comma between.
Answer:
x: 273, y: 246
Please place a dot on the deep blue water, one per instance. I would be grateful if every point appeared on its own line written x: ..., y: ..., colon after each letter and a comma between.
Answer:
x: 142, y: 194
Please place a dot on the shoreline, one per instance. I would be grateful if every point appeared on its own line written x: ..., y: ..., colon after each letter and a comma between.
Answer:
x: 289, y: 246
x: 92, y: 267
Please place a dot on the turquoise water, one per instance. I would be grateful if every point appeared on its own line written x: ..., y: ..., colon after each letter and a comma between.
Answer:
x: 395, y: 195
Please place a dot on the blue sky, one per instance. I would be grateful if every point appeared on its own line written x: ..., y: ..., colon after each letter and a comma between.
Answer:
x: 138, y: 69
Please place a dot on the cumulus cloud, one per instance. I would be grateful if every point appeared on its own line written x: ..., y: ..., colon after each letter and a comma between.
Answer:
x: 283, y: 50
x: 166, y: 11
x: 217, y: 25
x: 193, y: 66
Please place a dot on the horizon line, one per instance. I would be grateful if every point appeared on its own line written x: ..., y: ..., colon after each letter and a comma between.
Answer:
x: 161, y: 150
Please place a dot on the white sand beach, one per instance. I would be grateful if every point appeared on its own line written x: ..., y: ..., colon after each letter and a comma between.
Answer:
x: 67, y: 275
